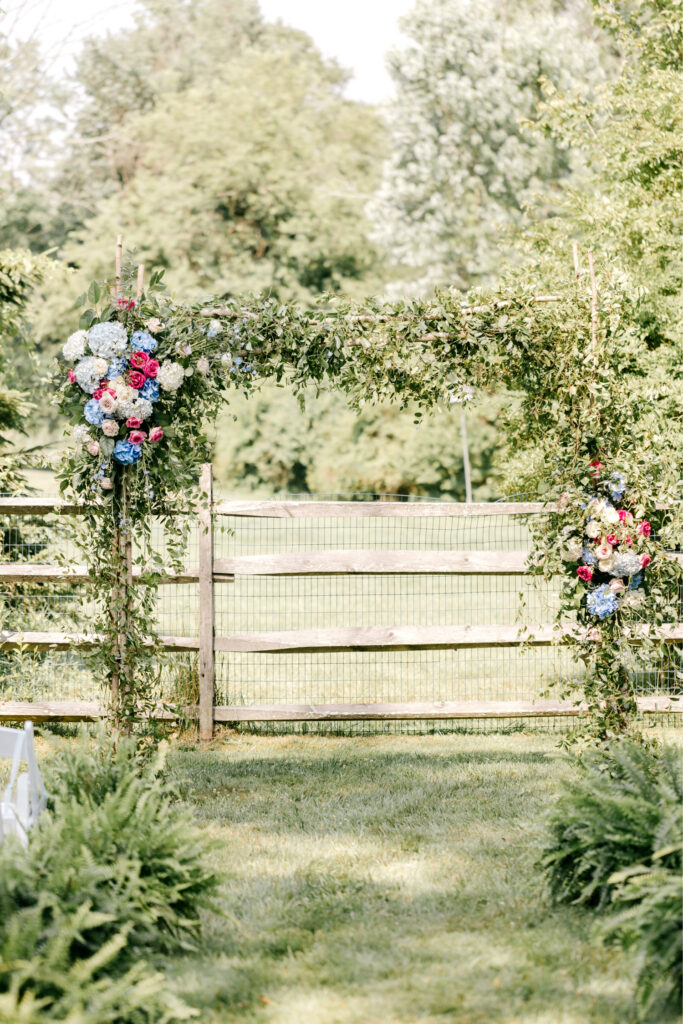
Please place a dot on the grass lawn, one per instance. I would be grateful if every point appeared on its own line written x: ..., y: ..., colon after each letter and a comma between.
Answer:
x: 389, y: 879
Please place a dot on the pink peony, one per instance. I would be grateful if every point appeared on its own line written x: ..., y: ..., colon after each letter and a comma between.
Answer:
x: 645, y: 560
x: 156, y: 434
x: 93, y: 447
x: 72, y: 376
x: 136, y: 379
x: 151, y: 367
x: 139, y: 360
x: 585, y: 573
x: 137, y: 436
x: 106, y: 484
x: 133, y: 421
x: 644, y: 529
x: 110, y: 428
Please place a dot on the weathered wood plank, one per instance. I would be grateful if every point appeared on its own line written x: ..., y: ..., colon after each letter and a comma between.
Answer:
x: 43, y: 641
x: 342, y: 509
x: 206, y: 661
x: 81, y: 710
x: 25, y: 572
x: 307, y: 563
x: 38, y: 506
x: 425, y: 710
x: 368, y: 638
x: 360, y: 638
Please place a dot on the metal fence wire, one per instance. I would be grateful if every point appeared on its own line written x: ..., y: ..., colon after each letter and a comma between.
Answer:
x: 254, y: 603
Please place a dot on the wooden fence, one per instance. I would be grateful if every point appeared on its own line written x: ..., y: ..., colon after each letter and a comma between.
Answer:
x: 210, y: 571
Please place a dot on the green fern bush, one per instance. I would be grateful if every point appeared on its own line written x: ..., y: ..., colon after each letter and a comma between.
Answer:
x: 626, y: 804
x: 649, y: 919
x: 114, y: 873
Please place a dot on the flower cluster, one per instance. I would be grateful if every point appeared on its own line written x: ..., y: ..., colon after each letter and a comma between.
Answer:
x: 125, y: 382
x: 613, y: 551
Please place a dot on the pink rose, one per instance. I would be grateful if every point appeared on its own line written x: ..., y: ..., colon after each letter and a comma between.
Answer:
x: 97, y: 394
x: 110, y: 428
x: 137, y: 436
x: 628, y: 539
x: 106, y: 484
x: 624, y: 516
x: 585, y: 573
x: 108, y: 402
x: 136, y: 379
x: 596, y: 466
x: 72, y: 377
x: 612, y: 540
x: 617, y: 586
x: 133, y: 421
x: 594, y: 635
x: 156, y: 434
x: 151, y: 367
x: 644, y: 529
x: 93, y: 447
x: 139, y: 360
x: 645, y: 560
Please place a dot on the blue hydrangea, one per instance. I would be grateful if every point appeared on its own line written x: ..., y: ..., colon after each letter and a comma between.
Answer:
x: 143, y: 342
x: 93, y: 413
x: 117, y: 368
x: 617, y: 486
x: 588, y: 557
x: 126, y: 453
x: 150, y: 390
x: 635, y: 581
x: 602, y: 601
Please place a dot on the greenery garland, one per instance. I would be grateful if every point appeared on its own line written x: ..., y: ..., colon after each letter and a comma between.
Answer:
x: 578, y: 364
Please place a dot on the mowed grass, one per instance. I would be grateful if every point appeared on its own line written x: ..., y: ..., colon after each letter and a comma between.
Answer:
x: 389, y: 879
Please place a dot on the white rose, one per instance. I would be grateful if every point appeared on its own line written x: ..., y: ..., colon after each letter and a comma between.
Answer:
x: 110, y: 428
x: 611, y: 516
x: 226, y: 359
x: 203, y: 365
x: 108, y: 403
x: 106, y: 484
x: 605, y: 564
x: 74, y: 346
x: 592, y: 529
x: 603, y: 550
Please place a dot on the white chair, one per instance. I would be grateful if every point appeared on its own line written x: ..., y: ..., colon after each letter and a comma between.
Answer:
x: 25, y: 796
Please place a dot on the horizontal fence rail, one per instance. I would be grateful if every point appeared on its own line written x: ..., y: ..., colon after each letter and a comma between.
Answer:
x: 325, y: 640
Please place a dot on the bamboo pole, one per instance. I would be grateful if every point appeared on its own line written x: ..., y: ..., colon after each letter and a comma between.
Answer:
x: 206, y: 623
x: 594, y: 299
x: 577, y: 266
x: 141, y: 280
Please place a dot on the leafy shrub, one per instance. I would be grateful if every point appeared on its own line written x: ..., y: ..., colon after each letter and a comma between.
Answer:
x: 625, y: 806
x: 114, y: 870
x: 651, y: 923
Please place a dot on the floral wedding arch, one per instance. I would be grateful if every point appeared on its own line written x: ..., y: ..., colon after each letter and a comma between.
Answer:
x: 143, y: 374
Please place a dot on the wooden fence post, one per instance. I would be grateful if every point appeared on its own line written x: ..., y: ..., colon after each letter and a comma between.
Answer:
x: 206, y: 661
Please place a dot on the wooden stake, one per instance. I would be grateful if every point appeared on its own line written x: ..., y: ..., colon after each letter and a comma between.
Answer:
x: 594, y: 299
x: 119, y: 254
x: 206, y: 628
x: 577, y: 268
x: 141, y: 280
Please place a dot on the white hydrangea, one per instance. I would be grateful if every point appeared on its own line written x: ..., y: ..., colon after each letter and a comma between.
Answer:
x: 81, y: 433
x: 74, y: 346
x: 89, y: 372
x: 137, y: 406
x: 170, y: 375
x: 632, y: 599
x: 108, y: 340
x: 571, y: 550
x: 626, y: 563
